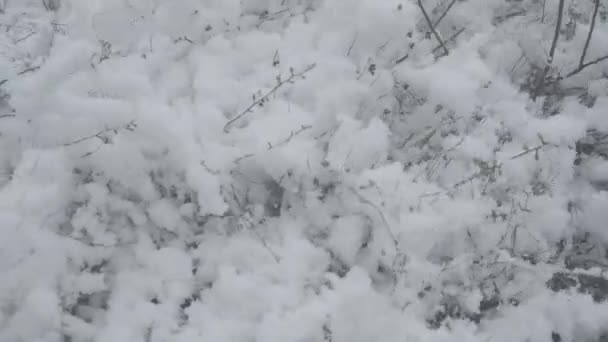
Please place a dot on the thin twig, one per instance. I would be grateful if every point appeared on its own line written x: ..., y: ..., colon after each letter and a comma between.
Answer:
x: 542, y: 15
x: 288, y: 139
x: 591, y: 29
x: 30, y: 69
x: 558, y: 25
x: 401, y: 59
x: 262, y: 100
x: 352, y: 44
x: 451, y: 38
x: 438, y: 21
x: 585, y: 65
x: 541, y: 78
x: 433, y: 30
x: 129, y: 126
x: 271, y: 146
x: 382, y: 217
x: 25, y: 37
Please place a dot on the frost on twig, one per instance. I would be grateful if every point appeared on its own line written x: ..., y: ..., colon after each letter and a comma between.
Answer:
x: 103, y: 136
x: 259, y: 102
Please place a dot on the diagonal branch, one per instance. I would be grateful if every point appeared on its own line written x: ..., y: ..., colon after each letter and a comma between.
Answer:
x: 262, y: 100
x: 585, y: 65
x: 438, y: 21
x: 591, y: 29
x: 433, y: 30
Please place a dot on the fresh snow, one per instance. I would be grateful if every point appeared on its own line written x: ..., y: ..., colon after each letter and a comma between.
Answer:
x: 303, y: 170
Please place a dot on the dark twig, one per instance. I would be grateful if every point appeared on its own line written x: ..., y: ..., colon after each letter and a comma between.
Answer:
x: 534, y: 150
x: 352, y: 44
x: 451, y: 38
x: 558, y: 25
x: 438, y: 21
x: 387, y: 226
x: 585, y: 65
x: 25, y: 37
x: 100, y: 135
x: 541, y: 77
x: 292, y: 134
x: 432, y: 28
x: 30, y: 69
x: 591, y: 29
x: 260, y: 102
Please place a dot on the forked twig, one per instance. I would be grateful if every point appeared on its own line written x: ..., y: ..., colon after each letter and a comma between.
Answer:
x: 432, y: 28
x: 260, y: 102
x: 540, y: 84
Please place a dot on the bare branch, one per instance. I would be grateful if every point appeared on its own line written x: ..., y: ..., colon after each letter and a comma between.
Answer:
x: 260, y: 102
x: 591, y: 28
x: 438, y: 21
x: 585, y: 65
x: 389, y: 231
x: 558, y: 25
x: 451, y: 38
x: 271, y: 146
x: 534, y: 150
x: 30, y: 69
x: 352, y: 44
x: 25, y: 37
x: 100, y: 135
x: 433, y: 30
x: 291, y: 135
x: 541, y: 77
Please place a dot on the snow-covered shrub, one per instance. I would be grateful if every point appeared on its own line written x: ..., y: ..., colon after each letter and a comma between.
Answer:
x: 303, y: 170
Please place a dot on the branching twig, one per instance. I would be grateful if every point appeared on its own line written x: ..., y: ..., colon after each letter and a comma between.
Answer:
x: 450, y: 39
x: 292, y: 134
x: 584, y: 66
x: 100, y: 135
x: 534, y: 150
x: 260, y: 102
x: 288, y: 139
x: 541, y: 78
x: 432, y: 28
x: 382, y: 217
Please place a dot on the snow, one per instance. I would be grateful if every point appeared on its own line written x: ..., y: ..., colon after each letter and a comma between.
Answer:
x: 301, y: 170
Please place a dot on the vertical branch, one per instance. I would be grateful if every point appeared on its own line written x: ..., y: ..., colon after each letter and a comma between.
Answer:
x: 591, y: 29
x: 541, y: 77
x: 558, y: 25
x: 542, y: 16
x: 433, y: 30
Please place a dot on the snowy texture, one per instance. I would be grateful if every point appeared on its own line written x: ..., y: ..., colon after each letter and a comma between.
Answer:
x: 303, y: 170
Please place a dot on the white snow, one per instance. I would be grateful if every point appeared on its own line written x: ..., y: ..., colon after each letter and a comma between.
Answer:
x: 301, y: 170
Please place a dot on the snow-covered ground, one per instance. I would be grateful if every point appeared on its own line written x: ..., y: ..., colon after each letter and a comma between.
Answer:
x: 303, y: 170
